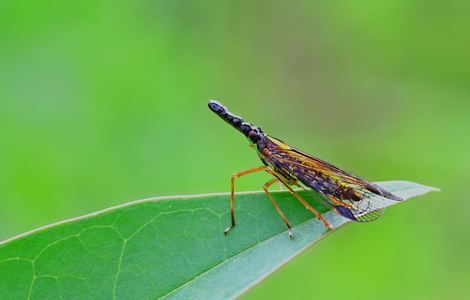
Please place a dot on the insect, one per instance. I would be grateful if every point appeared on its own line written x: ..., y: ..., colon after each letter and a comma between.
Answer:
x: 351, y: 196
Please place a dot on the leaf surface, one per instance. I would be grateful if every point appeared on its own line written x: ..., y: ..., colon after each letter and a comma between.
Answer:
x: 168, y: 247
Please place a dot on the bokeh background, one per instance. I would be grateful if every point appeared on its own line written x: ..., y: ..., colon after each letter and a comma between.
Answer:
x: 103, y: 102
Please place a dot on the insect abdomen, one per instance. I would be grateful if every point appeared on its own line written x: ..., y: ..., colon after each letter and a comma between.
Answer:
x: 348, y: 193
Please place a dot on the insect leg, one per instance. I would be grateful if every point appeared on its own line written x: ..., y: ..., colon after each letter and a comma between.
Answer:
x: 308, y: 206
x: 339, y: 202
x: 232, y: 192
x: 318, y: 198
x: 266, y: 190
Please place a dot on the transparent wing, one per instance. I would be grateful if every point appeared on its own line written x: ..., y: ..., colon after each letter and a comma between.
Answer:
x: 369, y: 208
x: 351, y: 196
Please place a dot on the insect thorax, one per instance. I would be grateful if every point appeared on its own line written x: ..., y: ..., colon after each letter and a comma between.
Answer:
x: 265, y: 149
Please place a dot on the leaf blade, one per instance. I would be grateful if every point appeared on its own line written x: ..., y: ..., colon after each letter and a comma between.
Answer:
x: 166, y: 247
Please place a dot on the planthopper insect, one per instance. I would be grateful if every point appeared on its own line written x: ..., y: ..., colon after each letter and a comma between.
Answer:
x: 351, y: 196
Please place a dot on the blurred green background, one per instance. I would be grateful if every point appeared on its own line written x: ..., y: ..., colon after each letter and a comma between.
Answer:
x: 103, y: 102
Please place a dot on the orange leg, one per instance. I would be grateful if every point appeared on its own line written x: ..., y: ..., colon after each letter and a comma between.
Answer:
x: 339, y: 202
x: 305, y: 203
x: 232, y: 192
x: 266, y: 190
x: 321, y: 200
x: 309, y: 207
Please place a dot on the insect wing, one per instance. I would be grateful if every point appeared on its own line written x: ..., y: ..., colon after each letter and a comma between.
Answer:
x: 352, y: 196
x: 369, y: 208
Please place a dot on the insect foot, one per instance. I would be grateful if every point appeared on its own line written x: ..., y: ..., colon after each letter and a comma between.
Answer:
x: 291, y: 234
x: 228, y: 229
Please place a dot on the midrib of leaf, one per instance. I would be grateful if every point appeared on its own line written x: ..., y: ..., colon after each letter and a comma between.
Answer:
x: 334, y: 220
x: 316, y: 231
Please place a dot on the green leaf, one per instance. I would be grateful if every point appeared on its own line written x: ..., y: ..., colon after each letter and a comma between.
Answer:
x: 169, y: 247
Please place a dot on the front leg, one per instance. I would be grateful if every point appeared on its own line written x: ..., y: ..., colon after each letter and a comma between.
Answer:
x: 232, y: 192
